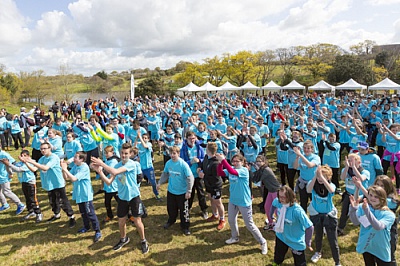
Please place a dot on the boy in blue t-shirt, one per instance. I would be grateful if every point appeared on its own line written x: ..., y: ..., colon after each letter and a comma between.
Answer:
x: 125, y: 173
x: 180, y: 182
x: 146, y: 163
x: 83, y: 193
x: 27, y: 178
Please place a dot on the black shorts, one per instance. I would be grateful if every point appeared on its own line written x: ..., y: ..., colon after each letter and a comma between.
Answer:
x: 135, y: 205
x: 216, y: 192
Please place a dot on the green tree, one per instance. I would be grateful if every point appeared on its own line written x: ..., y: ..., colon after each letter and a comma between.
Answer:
x: 240, y: 67
x: 285, y: 56
x: 350, y: 66
x: 215, y: 69
x: 192, y: 73
x: 265, y: 65
x: 12, y: 83
x: 102, y: 74
x: 35, y: 86
x: 150, y: 86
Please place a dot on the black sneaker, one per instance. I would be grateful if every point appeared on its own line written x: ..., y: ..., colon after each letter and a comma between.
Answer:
x: 186, y: 232
x: 122, y: 242
x: 340, y: 232
x: 53, y: 218
x: 72, y: 223
x: 145, y: 247
x: 167, y: 225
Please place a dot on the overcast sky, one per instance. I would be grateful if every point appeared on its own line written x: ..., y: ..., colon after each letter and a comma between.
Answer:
x: 95, y: 35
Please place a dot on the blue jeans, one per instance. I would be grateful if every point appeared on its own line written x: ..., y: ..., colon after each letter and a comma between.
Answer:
x: 88, y: 215
x: 149, y: 173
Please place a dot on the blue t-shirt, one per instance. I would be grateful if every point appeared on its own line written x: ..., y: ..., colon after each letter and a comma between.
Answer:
x: 332, y: 158
x: 127, y: 181
x: 178, y: 172
x: 308, y: 173
x: 296, y: 222
x: 371, y: 162
x: 239, y: 189
x: 26, y: 176
x: 351, y: 187
x: 52, y: 178
x: 376, y: 242
x: 4, y: 178
x: 113, y: 187
x: 56, y: 144
x: 41, y: 134
x: 145, y: 155
x: 82, y: 188
x: 323, y: 204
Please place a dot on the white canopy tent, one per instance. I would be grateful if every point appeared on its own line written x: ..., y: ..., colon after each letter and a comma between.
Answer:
x: 209, y: 87
x: 351, y: 84
x: 249, y: 86
x: 294, y: 85
x: 322, y: 86
x: 385, y: 84
x: 228, y: 87
x: 271, y: 86
x: 191, y: 87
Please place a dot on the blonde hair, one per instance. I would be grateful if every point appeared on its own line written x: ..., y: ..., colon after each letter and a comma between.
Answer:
x: 327, y: 172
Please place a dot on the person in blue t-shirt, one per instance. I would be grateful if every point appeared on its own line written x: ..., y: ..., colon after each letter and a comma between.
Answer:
x: 353, y: 168
x: 375, y: 220
x: 5, y: 189
x: 83, y: 193
x: 392, y: 200
x: 146, y: 163
x: 180, y: 182
x: 125, y: 173
x: 293, y: 229
x: 110, y: 190
x: 53, y: 182
x: 331, y: 157
x: 307, y: 164
x: 323, y: 212
x: 27, y: 178
x: 239, y: 199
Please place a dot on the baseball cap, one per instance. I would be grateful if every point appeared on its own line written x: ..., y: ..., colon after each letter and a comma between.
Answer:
x: 363, y: 145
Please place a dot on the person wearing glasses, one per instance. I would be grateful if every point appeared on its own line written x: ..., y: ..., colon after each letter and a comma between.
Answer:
x: 239, y: 199
x: 53, y: 182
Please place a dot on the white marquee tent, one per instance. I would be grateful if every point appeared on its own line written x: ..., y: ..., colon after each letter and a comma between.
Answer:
x: 228, y: 87
x: 191, y: 87
x: 209, y: 87
x: 351, y: 84
x: 385, y: 84
x: 294, y: 85
x: 271, y: 86
x: 322, y: 86
x: 249, y: 86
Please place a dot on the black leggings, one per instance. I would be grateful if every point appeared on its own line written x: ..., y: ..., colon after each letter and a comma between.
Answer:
x: 372, y: 260
x: 386, y: 165
x: 280, y: 251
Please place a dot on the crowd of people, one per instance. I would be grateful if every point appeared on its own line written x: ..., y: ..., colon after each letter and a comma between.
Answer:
x: 323, y: 145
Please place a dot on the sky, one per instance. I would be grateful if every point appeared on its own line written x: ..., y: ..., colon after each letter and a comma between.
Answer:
x: 89, y: 36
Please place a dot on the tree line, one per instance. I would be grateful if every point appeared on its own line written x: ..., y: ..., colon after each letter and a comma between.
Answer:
x: 365, y: 62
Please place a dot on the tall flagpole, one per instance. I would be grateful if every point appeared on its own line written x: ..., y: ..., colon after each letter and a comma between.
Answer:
x: 132, y: 87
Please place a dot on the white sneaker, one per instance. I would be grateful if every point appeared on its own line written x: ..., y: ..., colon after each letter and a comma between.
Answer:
x: 264, y: 248
x: 315, y: 258
x: 232, y: 241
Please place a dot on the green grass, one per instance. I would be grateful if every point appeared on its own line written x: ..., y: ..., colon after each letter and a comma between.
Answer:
x: 29, y: 243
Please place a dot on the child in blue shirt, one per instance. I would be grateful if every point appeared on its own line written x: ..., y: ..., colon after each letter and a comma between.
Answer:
x: 375, y: 220
x: 5, y: 189
x: 83, y: 193
x: 146, y: 163
x: 26, y: 177
x: 323, y: 212
x: 111, y: 190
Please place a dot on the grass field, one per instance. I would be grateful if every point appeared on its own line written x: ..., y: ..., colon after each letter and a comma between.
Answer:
x: 29, y: 243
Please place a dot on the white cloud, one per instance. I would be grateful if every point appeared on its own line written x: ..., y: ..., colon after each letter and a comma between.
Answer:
x: 13, y: 31
x: 120, y: 34
x: 383, y: 2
